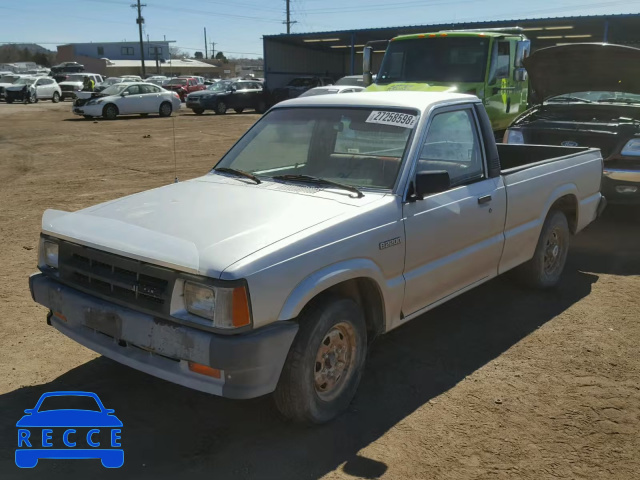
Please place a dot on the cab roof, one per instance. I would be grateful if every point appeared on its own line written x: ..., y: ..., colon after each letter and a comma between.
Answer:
x: 421, y: 101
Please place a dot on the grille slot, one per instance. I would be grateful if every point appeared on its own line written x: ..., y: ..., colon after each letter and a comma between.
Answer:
x: 132, y: 282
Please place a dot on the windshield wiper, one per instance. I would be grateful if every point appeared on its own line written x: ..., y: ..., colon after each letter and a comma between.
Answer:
x: 569, y: 98
x: 618, y: 100
x: 318, y: 180
x: 238, y: 173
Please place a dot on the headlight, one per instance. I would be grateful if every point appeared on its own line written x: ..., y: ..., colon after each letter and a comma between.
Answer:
x: 95, y: 102
x: 227, y: 307
x: 632, y: 148
x: 50, y: 254
x: 513, y: 137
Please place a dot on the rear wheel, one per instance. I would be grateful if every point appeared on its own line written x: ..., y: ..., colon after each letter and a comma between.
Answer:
x: 198, y: 111
x: 221, y: 108
x: 323, y: 369
x: 110, y: 112
x: 545, y: 268
x: 238, y: 110
x: 165, y: 109
x: 56, y: 97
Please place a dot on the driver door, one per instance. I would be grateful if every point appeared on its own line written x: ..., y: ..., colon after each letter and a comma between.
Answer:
x: 454, y: 238
x: 132, y: 102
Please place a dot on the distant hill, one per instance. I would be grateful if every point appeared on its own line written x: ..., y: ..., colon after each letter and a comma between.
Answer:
x: 32, y: 47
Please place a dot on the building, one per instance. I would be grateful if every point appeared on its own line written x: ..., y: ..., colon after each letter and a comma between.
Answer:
x: 339, y: 53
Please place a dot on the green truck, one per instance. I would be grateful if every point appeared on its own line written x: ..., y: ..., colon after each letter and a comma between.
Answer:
x: 488, y: 64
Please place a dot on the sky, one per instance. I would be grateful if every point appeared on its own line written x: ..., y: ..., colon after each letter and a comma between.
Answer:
x: 237, y: 27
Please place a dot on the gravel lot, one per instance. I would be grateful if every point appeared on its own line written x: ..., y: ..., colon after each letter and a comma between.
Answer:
x: 498, y: 383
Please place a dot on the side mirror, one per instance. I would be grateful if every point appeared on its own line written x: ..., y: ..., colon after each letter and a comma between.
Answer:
x: 367, y: 55
x: 520, y: 75
x: 429, y: 182
x: 124, y: 94
x: 29, y: 411
x: 109, y: 411
x: 523, y: 48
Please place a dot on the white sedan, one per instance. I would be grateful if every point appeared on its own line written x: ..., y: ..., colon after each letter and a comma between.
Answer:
x: 126, y: 99
x: 332, y: 89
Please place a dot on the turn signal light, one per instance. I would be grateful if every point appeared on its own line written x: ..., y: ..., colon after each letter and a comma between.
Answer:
x: 204, y: 370
x: 241, y: 315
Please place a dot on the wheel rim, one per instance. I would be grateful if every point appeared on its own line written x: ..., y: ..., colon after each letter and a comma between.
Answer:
x: 335, y: 361
x: 222, y: 107
x: 166, y: 110
x: 553, y: 249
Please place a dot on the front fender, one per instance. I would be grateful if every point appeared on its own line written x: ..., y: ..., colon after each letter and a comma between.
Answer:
x: 327, y: 277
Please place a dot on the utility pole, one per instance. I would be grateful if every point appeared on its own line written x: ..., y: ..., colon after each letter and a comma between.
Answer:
x: 206, y: 55
x: 140, y: 21
x: 213, y: 51
x: 288, y: 22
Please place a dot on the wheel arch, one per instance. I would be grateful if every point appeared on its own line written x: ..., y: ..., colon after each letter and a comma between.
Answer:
x: 359, y: 280
x: 114, y: 105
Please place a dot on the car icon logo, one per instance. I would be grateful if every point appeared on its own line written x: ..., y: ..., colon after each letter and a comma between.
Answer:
x: 569, y: 143
x: 69, y: 425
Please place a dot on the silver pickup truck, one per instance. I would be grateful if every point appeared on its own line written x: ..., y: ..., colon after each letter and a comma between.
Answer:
x: 334, y: 219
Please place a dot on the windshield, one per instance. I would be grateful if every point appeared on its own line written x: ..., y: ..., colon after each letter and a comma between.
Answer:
x: 116, y: 89
x: 319, y: 91
x: 75, y: 78
x: 303, y: 82
x: 219, y: 87
x: 69, y: 402
x: 361, y: 147
x: 353, y: 81
x: 8, y: 79
x: 596, y: 97
x: 112, y: 81
x: 24, y: 81
x: 442, y: 59
x: 177, y: 81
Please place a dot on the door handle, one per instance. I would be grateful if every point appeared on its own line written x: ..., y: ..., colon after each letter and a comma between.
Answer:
x: 484, y: 199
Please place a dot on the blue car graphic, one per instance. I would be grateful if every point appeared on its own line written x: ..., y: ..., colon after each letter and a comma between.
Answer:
x: 41, y: 427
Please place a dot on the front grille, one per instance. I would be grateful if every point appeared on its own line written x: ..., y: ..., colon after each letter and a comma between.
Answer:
x: 67, y: 88
x: 134, y: 283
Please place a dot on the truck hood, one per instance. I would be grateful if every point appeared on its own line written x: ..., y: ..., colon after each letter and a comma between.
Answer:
x: 417, y: 87
x: 203, y: 225
x: 583, y: 67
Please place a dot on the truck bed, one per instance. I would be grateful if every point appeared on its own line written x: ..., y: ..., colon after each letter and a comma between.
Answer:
x: 514, y: 158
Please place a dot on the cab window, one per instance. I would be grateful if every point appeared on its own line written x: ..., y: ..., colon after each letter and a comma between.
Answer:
x: 500, y: 61
x: 452, y: 144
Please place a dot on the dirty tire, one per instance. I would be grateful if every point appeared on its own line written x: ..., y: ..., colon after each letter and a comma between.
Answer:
x: 301, y: 395
x: 262, y: 107
x: 221, y: 108
x: 198, y: 111
x: 165, y: 109
x: 545, y: 268
x: 110, y: 111
x: 56, y: 97
x: 238, y: 110
x: 9, y: 100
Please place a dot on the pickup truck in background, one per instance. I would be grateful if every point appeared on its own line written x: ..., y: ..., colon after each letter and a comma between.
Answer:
x: 183, y: 86
x: 487, y: 63
x: 588, y: 95
x: 334, y: 219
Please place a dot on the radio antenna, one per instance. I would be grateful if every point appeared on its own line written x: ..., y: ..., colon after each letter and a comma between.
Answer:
x: 175, y: 160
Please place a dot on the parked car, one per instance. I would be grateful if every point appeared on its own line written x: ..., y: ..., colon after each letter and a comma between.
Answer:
x: 299, y: 85
x: 107, y: 82
x: 225, y: 95
x: 183, y: 86
x: 588, y: 95
x: 156, y: 79
x: 67, y: 67
x: 354, y: 80
x: 333, y: 89
x: 75, y: 82
x: 126, y: 99
x: 7, y: 81
x: 33, y: 89
x: 275, y: 271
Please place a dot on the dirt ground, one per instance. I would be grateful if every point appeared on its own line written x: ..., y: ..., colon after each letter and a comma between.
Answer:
x: 499, y: 383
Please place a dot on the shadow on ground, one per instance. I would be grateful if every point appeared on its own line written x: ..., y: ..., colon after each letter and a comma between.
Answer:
x: 172, y: 432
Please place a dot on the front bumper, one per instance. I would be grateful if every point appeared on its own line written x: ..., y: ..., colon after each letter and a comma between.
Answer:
x: 621, y: 186
x: 250, y: 363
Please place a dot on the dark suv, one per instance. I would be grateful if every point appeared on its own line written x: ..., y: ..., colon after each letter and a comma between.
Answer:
x: 223, y: 95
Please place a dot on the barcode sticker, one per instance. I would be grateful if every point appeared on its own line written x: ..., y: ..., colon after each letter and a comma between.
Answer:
x: 393, y: 118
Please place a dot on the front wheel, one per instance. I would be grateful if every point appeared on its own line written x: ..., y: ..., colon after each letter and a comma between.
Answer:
x: 238, y: 110
x: 545, y: 268
x: 198, y: 111
x: 9, y: 100
x: 110, y: 112
x: 323, y: 369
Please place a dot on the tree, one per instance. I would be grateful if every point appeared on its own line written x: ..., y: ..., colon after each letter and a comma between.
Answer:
x: 220, y: 56
x: 176, y: 52
x: 198, y: 55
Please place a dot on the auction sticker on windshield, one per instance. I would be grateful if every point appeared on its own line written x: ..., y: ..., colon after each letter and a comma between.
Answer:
x: 392, y: 118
